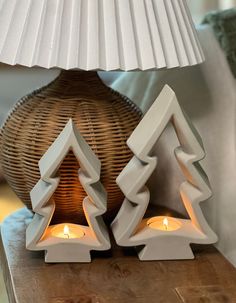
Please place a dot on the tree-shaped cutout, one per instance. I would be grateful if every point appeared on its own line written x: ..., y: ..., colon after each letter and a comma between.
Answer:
x: 129, y: 227
x: 60, y: 246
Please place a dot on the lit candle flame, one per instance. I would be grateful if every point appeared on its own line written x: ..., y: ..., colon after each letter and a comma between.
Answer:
x: 166, y: 223
x: 67, y: 231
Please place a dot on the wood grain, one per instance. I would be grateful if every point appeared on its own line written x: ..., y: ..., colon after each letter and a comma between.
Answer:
x: 117, y: 276
x: 208, y: 294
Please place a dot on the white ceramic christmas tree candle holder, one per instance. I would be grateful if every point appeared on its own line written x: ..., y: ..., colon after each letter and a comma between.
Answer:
x: 68, y: 242
x: 163, y: 238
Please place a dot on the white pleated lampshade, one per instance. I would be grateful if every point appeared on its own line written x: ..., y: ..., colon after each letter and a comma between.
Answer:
x: 98, y: 34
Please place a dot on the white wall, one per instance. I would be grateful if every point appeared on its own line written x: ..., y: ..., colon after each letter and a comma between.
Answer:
x: 199, y: 8
x: 16, y: 82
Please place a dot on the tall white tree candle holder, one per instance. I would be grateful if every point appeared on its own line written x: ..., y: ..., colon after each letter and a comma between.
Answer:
x: 68, y: 242
x: 163, y: 238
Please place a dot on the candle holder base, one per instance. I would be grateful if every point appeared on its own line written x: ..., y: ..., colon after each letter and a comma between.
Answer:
x: 72, y: 254
x: 166, y: 249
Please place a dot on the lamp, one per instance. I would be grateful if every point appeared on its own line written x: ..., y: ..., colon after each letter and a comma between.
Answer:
x: 84, y: 35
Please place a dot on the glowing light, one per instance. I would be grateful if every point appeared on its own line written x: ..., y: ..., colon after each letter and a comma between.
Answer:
x: 67, y: 231
x: 166, y: 223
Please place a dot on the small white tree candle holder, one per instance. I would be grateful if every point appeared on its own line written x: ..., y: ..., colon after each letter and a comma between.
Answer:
x: 68, y: 242
x: 163, y: 238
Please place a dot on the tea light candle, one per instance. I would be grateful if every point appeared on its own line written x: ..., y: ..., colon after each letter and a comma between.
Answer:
x: 67, y: 231
x: 164, y: 223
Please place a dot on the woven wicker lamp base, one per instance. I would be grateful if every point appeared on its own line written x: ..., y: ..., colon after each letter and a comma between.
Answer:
x: 105, y: 118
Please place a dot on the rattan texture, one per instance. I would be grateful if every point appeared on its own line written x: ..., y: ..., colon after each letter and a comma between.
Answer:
x: 104, y: 117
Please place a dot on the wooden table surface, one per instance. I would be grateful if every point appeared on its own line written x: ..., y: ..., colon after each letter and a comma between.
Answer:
x: 116, y: 277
